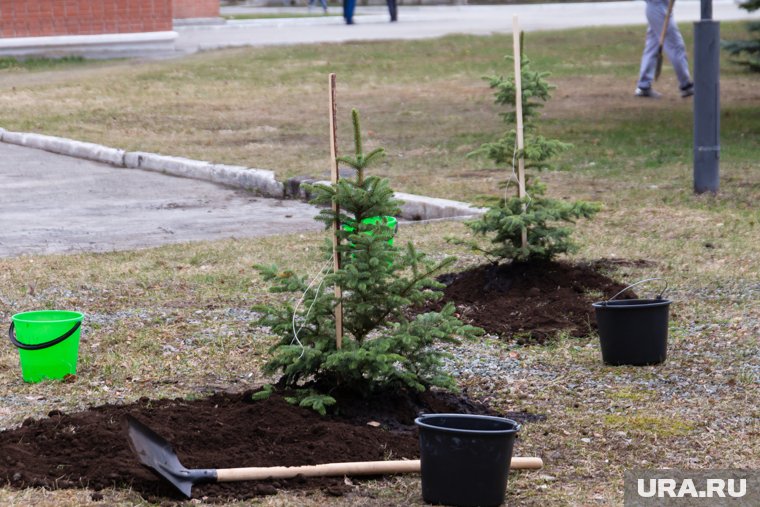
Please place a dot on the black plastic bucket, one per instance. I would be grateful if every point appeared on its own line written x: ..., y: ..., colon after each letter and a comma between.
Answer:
x: 633, y: 331
x: 465, y: 458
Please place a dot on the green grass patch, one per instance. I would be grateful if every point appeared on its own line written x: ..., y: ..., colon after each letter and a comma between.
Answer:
x: 662, y: 427
x: 628, y: 394
x: 40, y: 63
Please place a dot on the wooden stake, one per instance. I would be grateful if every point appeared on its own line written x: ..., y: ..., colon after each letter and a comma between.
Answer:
x: 336, y: 225
x: 519, y: 115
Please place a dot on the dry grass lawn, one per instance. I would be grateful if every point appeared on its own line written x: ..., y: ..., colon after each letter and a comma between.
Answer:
x: 176, y: 320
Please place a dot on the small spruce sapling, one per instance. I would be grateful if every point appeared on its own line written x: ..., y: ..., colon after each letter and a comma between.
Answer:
x: 383, y: 348
x: 541, y: 217
x: 747, y: 51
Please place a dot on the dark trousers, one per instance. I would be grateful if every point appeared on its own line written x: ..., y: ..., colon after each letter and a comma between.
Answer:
x: 348, y: 11
x: 392, y: 9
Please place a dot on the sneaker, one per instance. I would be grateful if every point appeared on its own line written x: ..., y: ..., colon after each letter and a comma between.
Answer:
x: 647, y: 93
x: 688, y: 90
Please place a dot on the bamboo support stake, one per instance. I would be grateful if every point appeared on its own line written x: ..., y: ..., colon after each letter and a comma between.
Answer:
x: 519, y: 116
x: 336, y: 225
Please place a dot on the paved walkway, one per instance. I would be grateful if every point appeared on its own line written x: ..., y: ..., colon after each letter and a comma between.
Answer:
x: 419, y: 22
x: 57, y: 204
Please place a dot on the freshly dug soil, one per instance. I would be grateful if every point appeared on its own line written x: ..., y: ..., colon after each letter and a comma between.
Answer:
x: 90, y: 449
x: 530, y: 301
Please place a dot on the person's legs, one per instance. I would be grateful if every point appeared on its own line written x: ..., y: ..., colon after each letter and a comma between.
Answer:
x: 324, y: 4
x: 393, y: 10
x: 675, y: 49
x: 655, y: 11
x: 348, y: 11
x: 648, y: 60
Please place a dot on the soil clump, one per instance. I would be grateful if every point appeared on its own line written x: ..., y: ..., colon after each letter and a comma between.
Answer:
x: 531, y: 302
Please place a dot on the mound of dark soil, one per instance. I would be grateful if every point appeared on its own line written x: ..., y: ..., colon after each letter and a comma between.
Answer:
x: 90, y: 449
x: 530, y: 301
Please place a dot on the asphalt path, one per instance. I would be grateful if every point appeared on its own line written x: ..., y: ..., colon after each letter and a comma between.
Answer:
x: 57, y: 204
x: 420, y: 22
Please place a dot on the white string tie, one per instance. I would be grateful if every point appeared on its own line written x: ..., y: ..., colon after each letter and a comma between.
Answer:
x: 319, y: 276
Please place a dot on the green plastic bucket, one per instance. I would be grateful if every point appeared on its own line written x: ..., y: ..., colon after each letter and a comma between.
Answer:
x: 47, y: 342
x: 391, y: 222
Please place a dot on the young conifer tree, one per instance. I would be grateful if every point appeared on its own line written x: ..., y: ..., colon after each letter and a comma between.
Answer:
x: 547, y: 221
x: 747, y: 51
x: 384, y: 348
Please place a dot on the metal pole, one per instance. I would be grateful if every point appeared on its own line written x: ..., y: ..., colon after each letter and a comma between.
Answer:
x: 706, y: 101
x: 706, y: 9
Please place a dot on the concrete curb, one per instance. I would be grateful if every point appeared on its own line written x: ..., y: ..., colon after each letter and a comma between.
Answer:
x: 414, y: 207
x: 420, y: 207
x: 78, y: 149
x: 219, y: 20
x: 262, y: 181
x: 109, y: 45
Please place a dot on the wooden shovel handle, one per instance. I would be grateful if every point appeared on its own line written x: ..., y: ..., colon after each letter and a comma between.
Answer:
x: 339, y: 469
x: 665, y: 25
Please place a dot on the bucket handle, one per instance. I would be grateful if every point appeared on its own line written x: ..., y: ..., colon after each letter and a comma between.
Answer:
x: 39, y: 346
x: 659, y: 296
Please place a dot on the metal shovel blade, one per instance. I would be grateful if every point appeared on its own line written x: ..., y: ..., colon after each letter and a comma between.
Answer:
x: 157, y: 454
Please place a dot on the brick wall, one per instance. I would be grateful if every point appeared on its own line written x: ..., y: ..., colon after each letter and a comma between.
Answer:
x: 184, y: 9
x: 37, y: 18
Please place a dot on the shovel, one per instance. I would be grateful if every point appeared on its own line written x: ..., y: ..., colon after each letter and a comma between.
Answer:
x: 157, y: 454
x: 658, y: 68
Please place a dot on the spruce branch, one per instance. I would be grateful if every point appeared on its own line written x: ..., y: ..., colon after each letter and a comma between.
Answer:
x: 360, y: 161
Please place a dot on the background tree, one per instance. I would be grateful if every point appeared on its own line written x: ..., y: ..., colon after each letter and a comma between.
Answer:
x: 747, y: 52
